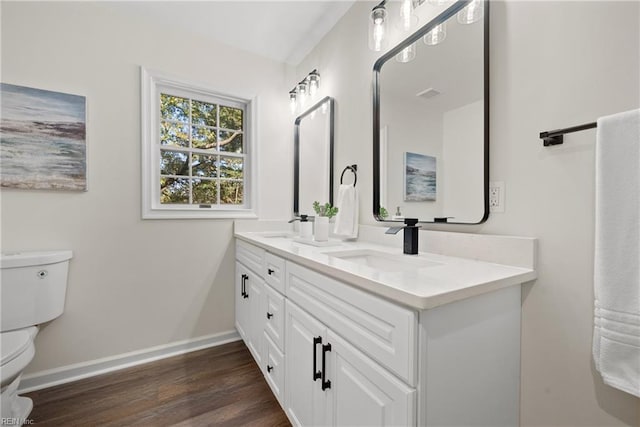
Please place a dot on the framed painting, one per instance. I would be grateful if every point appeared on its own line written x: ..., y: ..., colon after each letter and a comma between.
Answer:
x: 419, y: 177
x: 42, y: 139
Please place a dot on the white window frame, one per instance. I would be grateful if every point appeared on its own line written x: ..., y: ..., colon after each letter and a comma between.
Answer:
x: 152, y: 84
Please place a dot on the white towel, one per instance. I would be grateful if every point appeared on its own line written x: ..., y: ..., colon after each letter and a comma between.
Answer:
x: 347, y: 217
x: 616, y: 335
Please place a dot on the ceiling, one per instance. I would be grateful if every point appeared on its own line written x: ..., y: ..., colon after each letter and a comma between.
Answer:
x: 285, y: 31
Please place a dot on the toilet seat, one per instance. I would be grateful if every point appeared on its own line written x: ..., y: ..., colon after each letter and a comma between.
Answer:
x: 17, y: 352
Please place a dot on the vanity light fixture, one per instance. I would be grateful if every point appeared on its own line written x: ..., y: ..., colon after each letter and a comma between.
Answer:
x: 303, y: 90
x: 378, y: 27
x: 473, y: 12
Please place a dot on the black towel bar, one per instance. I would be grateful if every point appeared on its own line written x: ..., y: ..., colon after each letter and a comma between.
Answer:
x: 554, y: 137
x: 352, y: 168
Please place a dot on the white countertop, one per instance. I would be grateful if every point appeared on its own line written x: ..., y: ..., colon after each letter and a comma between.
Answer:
x: 452, y: 279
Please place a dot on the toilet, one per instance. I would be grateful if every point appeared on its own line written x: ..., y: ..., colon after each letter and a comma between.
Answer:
x: 32, y: 291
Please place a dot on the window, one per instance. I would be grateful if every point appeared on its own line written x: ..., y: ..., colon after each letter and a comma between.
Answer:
x: 197, y: 148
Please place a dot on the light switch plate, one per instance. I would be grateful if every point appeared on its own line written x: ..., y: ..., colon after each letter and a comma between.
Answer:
x: 496, y: 196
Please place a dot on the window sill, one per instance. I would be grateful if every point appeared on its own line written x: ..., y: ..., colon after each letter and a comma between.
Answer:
x: 197, y: 214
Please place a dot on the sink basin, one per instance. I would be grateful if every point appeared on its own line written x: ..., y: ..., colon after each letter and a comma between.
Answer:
x: 277, y: 234
x: 383, y: 261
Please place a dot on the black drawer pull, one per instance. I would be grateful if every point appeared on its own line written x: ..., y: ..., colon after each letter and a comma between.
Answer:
x: 325, y: 383
x: 243, y: 285
x: 246, y: 279
x: 269, y: 315
x: 316, y: 374
x: 269, y: 368
x: 270, y: 271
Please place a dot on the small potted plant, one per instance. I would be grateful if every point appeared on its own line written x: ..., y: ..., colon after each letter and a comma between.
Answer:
x: 321, y: 222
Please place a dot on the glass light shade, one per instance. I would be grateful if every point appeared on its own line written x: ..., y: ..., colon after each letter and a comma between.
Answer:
x: 378, y: 28
x: 302, y: 95
x: 292, y: 102
x: 408, y: 54
x: 314, y: 83
x: 325, y: 107
x: 407, y: 18
x: 436, y: 35
x: 473, y: 12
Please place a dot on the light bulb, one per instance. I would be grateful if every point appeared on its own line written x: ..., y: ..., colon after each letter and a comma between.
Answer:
x: 473, y: 12
x: 436, y: 35
x: 378, y: 28
x: 407, y: 54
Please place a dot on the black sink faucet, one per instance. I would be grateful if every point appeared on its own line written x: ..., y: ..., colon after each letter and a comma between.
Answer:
x: 410, y: 228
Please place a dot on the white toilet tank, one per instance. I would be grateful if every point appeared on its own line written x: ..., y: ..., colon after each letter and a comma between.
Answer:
x: 33, y: 286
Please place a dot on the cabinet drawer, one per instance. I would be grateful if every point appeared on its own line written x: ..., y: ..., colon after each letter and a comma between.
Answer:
x: 274, y: 268
x: 274, y: 368
x: 384, y: 331
x: 274, y: 314
x: 250, y: 255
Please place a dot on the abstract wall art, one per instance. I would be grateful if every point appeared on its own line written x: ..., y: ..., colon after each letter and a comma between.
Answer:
x: 42, y: 139
x: 419, y: 177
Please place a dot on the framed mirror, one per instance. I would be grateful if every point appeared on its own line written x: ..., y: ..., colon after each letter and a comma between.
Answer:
x: 431, y: 121
x: 313, y: 157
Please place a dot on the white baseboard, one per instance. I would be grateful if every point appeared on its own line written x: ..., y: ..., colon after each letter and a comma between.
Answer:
x: 78, y: 371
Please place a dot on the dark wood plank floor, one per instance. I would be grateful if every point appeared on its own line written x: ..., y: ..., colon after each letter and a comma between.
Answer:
x: 217, y: 386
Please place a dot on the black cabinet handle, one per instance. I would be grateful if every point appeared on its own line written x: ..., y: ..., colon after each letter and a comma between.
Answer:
x: 325, y: 383
x: 244, y: 286
x: 270, y: 271
x: 269, y: 368
x: 269, y: 315
x: 316, y: 374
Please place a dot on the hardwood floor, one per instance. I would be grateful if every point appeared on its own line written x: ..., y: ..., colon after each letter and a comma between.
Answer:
x: 217, y: 386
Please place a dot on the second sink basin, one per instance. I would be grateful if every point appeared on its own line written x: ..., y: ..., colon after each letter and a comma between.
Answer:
x: 383, y: 261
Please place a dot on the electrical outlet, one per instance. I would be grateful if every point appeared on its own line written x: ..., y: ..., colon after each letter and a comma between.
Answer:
x: 496, y: 196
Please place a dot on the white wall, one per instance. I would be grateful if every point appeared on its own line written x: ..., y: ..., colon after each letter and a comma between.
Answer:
x: 133, y: 284
x: 553, y: 64
x: 463, y: 147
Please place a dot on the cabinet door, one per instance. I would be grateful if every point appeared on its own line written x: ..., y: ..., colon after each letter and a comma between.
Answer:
x: 242, y: 303
x: 255, y: 290
x: 305, y: 401
x: 363, y: 393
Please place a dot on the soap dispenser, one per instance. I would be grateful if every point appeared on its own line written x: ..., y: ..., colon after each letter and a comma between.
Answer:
x: 398, y: 214
x: 306, y: 228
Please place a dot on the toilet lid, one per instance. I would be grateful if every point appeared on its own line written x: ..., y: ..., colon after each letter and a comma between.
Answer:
x: 14, y: 343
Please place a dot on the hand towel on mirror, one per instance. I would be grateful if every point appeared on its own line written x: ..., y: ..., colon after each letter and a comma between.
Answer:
x: 347, y: 217
x: 616, y: 335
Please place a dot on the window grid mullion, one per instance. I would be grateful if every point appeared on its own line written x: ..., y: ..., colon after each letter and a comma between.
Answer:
x: 216, y: 153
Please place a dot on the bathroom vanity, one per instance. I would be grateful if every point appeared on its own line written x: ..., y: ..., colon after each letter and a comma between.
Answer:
x: 359, y: 334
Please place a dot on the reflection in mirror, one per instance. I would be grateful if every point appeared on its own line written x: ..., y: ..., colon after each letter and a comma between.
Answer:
x: 313, y: 157
x: 431, y: 123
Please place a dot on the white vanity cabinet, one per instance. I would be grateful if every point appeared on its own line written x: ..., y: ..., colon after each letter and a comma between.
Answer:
x: 337, y: 355
x: 260, y: 311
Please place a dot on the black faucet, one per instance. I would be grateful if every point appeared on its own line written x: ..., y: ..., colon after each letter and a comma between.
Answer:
x: 410, y: 228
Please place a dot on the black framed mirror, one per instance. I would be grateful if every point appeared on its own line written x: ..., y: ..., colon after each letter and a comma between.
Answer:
x: 313, y: 157
x: 431, y: 121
